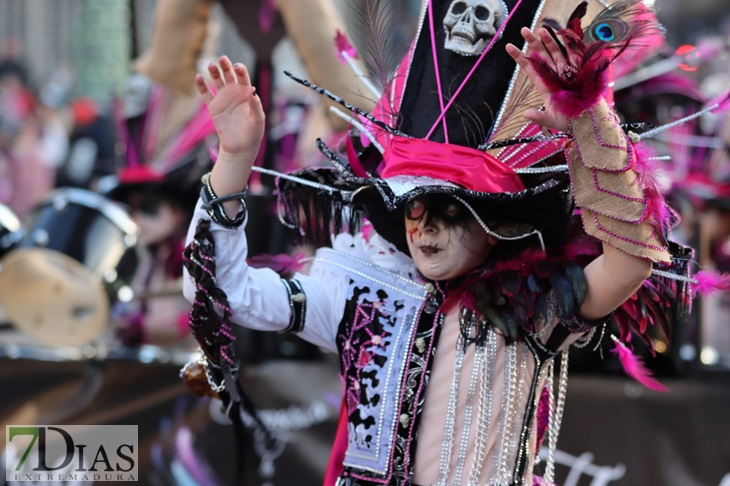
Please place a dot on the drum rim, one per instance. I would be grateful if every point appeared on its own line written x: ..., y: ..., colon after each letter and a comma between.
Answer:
x: 112, y: 210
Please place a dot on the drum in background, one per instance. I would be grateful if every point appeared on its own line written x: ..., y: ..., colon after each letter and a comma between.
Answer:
x: 11, y: 230
x: 76, y: 257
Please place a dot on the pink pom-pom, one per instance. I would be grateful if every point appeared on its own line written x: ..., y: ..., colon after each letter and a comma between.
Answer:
x: 709, y: 282
x: 635, y: 368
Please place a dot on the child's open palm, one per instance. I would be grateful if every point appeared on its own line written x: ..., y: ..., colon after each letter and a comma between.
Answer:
x: 235, y: 109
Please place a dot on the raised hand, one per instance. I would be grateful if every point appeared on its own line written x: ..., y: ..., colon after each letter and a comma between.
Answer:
x: 235, y: 109
x: 547, y: 48
x: 239, y: 121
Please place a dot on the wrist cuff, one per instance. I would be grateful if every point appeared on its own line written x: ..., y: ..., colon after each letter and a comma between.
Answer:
x: 213, y: 205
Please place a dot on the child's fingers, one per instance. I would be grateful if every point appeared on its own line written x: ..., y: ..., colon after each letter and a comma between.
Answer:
x: 215, y: 76
x: 534, y: 114
x: 203, y: 89
x: 242, y: 75
x: 551, y: 46
x: 227, y: 70
x: 525, y: 65
x: 516, y: 54
x: 533, y: 43
x: 254, y: 103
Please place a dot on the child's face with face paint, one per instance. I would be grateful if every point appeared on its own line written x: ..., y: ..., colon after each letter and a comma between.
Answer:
x: 444, y: 239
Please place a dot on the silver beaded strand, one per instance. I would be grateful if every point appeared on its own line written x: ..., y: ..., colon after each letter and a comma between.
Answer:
x: 479, y: 353
x: 447, y: 442
x: 556, y: 418
x: 485, y: 408
x: 508, y: 403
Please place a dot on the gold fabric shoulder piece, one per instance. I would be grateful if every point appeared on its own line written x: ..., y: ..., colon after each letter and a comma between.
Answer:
x: 611, y: 195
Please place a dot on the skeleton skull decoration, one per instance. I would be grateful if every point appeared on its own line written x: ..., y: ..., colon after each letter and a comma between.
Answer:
x: 470, y: 24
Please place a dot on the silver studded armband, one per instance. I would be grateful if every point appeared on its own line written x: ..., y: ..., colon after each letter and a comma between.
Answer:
x: 213, y: 205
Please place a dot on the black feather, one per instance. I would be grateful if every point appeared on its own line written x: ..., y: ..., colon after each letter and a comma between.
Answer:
x: 376, y: 30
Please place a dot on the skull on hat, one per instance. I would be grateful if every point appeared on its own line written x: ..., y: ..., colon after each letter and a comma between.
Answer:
x: 470, y: 24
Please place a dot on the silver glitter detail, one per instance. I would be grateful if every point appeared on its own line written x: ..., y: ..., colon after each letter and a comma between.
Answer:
x: 371, y: 278
x: 542, y: 170
x: 447, y: 444
x: 479, y: 353
x: 673, y: 276
x: 550, y: 383
x: 280, y: 215
x: 489, y: 231
x: 485, y: 407
x: 358, y: 72
x: 200, y: 264
x: 404, y: 184
x: 600, y: 339
x: 660, y: 129
x: 508, y: 405
x: 514, y: 445
x: 519, y: 132
x: 585, y: 339
x: 556, y: 418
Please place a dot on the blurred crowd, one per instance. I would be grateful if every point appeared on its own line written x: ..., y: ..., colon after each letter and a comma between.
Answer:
x: 144, y: 150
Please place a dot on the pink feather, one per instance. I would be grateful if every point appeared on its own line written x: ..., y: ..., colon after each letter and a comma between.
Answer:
x: 723, y: 102
x: 657, y: 208
x: 648, y: 168
x: 709, y: 282
x: 590, y: 82
x: 646, y: 164
x: 283, y: 264
x: 635, y: 368
x: 343, y: 46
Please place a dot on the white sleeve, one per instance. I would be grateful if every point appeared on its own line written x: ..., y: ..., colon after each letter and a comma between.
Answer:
x: 258, y: 297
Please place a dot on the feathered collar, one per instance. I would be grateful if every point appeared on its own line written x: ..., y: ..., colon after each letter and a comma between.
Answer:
x: 512, y: 294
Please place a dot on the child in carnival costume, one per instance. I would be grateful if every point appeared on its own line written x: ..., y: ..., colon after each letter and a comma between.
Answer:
x: 449, y: 318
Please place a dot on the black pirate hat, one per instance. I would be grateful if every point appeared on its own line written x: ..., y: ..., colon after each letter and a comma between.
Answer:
x: 449, y: 121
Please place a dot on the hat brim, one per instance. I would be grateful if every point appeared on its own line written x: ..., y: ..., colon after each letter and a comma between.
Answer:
x: 545, y: 207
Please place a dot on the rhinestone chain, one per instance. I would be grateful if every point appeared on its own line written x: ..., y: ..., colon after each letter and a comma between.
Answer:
x: 447, y: 443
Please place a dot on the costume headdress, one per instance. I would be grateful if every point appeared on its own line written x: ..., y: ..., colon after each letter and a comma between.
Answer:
x: 451, y: 120
x: 433, y: 129
x: 172, y: 169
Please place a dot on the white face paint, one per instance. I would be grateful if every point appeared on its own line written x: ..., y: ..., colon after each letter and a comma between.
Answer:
x: 442, y: 250
x: 470, y: 24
